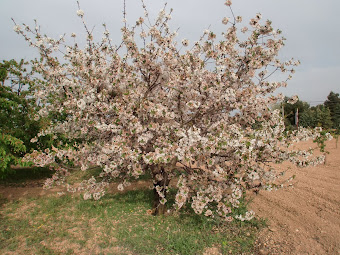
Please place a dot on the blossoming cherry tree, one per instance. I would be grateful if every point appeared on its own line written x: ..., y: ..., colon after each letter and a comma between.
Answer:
x: 197, y: 113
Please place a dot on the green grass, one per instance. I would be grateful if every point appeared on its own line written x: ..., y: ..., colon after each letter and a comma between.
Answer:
x: 118, y: 223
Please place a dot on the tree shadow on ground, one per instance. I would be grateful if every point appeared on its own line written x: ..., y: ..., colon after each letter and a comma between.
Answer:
x: 17, y: 176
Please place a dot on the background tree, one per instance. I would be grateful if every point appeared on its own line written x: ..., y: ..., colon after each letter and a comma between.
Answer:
x: 317, y: 116
x: 18, y: 108
x: 17, y: 126
x: 290, y: 111
x: 333, y: 103
x: 11, y: 147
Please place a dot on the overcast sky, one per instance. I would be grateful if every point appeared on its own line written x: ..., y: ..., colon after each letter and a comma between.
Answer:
x: 311, y: 28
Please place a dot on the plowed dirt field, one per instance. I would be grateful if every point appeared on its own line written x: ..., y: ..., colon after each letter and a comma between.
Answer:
x: 304, y: 219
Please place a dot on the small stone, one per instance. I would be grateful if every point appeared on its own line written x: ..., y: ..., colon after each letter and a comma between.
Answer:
x: 263, y: 252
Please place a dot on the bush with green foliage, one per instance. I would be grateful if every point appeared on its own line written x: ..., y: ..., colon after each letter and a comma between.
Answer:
x: 17, y: 109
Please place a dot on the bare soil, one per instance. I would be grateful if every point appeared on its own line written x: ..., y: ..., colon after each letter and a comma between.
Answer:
x: 303, y: 219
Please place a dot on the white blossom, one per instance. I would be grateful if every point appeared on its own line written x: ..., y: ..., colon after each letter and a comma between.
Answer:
x: 80, y: 13
x: 17, y: 28
x: 203, y: 114
x: 185, y: 42
x: 225, y: 20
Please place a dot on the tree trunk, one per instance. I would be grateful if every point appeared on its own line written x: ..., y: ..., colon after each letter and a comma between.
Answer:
x: 157, y: 172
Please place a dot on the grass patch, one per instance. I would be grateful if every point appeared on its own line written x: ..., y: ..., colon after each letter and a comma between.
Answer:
x: 116, y: 224
x: 186, y: 233
x: 3, y: 200
x: 79, y: 175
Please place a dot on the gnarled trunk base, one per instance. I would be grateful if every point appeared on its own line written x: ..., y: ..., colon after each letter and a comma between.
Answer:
x: 158, y: 208
x: 157, y: 172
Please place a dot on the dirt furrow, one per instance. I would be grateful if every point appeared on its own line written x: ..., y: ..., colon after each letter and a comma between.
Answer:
x: 316, y: 197
x: 306, y: 218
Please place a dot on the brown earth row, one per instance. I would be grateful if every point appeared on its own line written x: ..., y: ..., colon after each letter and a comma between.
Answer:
x: 304, y: 219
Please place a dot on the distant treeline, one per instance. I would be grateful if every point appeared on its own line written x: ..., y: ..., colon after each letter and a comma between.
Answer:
x: 326, y: 115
